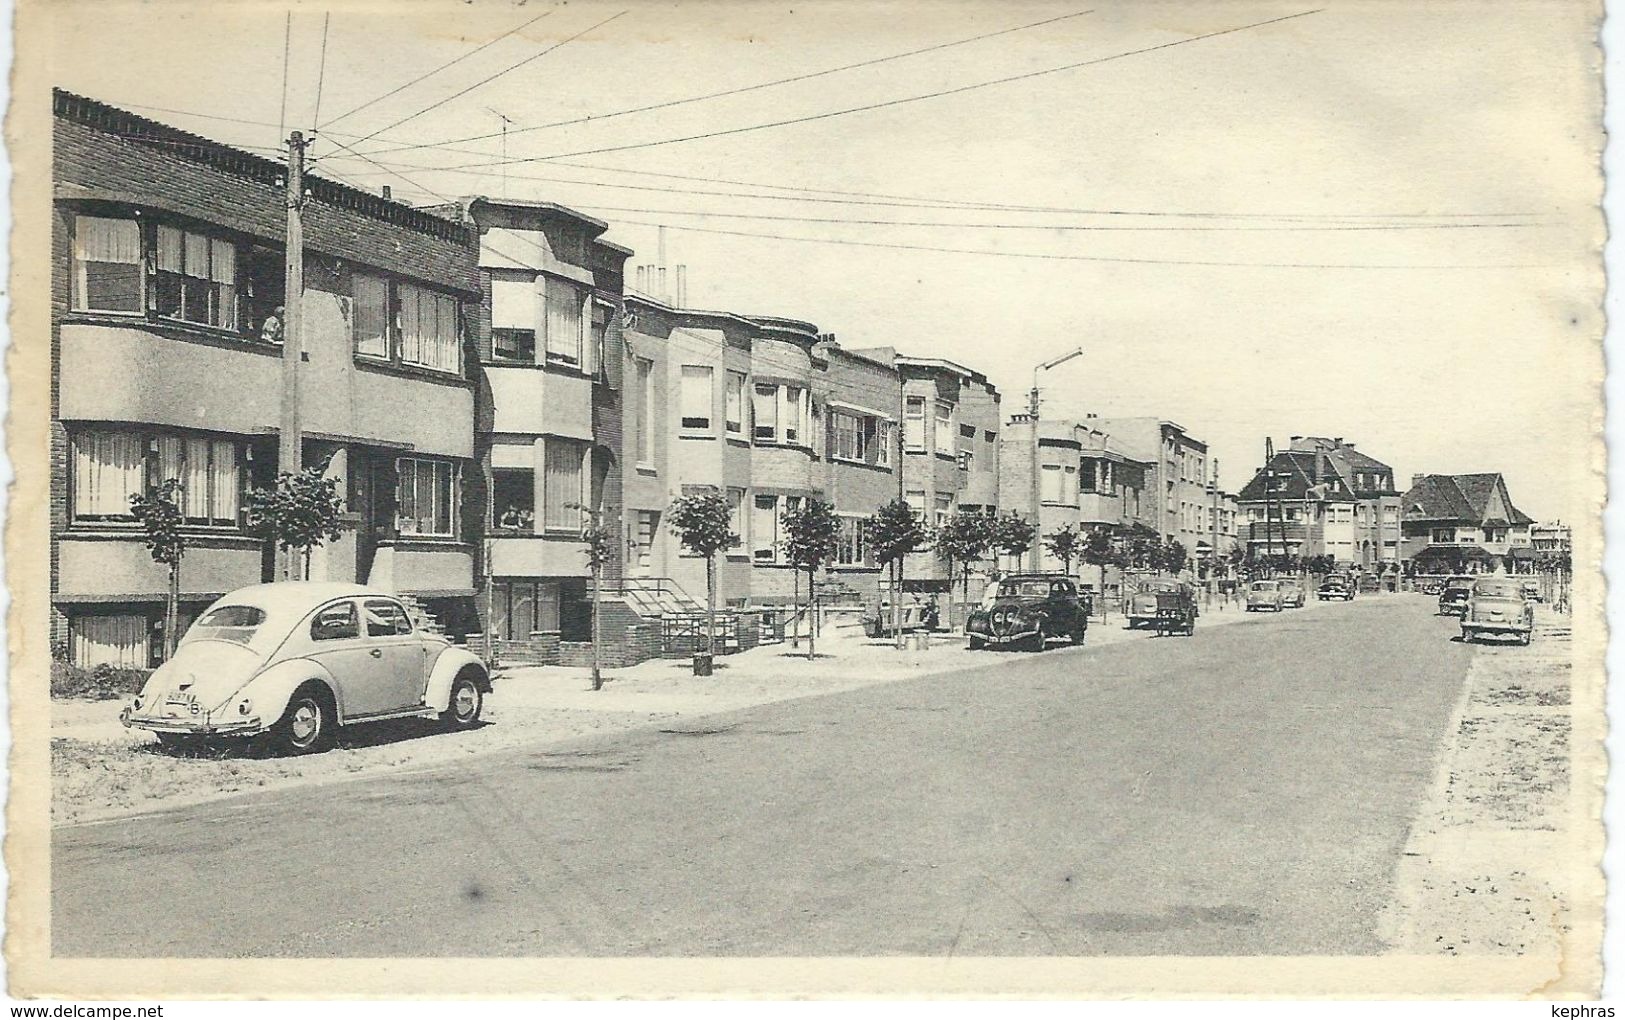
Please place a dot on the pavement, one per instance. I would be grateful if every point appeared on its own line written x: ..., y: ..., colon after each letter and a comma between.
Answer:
x: 1247, y: 790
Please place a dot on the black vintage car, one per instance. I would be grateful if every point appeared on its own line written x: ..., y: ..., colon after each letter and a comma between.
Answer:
x: 1027, y: 611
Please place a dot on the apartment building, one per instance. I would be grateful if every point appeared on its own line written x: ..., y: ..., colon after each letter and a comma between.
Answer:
x: 769, y: 412
x: 1377, y: 501
x: 549, y: 411
x: 950, y: 447
x: 1300, y: 504
x: 166, y: 362
x: 1177, y: 475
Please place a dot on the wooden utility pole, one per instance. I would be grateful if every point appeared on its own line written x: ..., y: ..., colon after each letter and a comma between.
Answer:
x: 291, y: 432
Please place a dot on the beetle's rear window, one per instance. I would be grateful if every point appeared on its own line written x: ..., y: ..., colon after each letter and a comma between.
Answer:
x: 1497, y: 590
x: 228, y: 623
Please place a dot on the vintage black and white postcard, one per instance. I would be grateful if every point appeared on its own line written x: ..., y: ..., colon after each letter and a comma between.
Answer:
x: 914, y: 498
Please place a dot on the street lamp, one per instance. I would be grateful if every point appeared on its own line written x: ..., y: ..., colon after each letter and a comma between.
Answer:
x: 1032, y: 412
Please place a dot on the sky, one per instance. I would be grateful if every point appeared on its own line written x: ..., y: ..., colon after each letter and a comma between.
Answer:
x: 1374, y: 220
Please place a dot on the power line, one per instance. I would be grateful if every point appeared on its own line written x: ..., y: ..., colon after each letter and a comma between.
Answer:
x: 321, y: 74
x: 1048, y: 226
x: 487, y: 81
x: 747, y: 88
x: 897, y: 102
x: 402, y: 88
x: 1073, y: 258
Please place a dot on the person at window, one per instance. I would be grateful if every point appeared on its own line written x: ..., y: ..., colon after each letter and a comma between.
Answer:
x: 527, y: 520
x: 271, y: 329
x: 510, y: 518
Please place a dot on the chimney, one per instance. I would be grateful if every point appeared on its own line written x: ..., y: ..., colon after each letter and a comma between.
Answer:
x: 387, y: 195
x: 1416, y: 480
x: 661, y: 284
x: 1337, y: 442
x: 682, y: 286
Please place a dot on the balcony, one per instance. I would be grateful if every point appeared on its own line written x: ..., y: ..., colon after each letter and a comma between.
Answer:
x: 1292, y: 532
x: 539, y: 556
x: 534, y: 401
x: 1099, y: 508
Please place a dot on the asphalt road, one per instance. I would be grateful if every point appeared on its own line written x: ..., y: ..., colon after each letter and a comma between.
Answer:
x: 1244, y: 791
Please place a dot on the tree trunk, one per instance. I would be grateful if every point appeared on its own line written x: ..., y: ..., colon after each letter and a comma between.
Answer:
x: 172, y: 611
x: 812, y: 616
x: 597, y: 632
x: 711, y: 605
x: 897, y: 606
x: 950, y: 596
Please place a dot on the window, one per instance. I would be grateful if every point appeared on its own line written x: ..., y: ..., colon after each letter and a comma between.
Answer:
x: 429, y: 329
x: 336, y: 622
x: 562, y: 495
x: 851, y: 442
x: 120, y: 639
x: 914, y: 423
x: 197, y: 277
x: 1444, y: 534
x: 109, y: 467
x: 520, y: 608
x: 385, y: 617
x: 736, y: 520
x: 106, y: 266
x: 370, y: 316
x: 850, y: 549
x: 765, y: 412
x: 967, y: 431
x: 915, y: 498
x: 697, y: 397
x: 564, y: 315
x: 944, y: 506
x: 513, y: 499
x: 599, y: 336
x: 945, y: 427
x: 885, y: 436
x: 764, y: 529
x: 513, y: 320
x: 734, y: 412
x: 1051, y: 481
x: 781, y: 414
x: 645, y: 410
x: 426, y: 496
x: 1087, y: 476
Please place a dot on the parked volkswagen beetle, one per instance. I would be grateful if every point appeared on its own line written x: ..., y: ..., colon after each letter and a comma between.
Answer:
x: 291, y: 662
x: 1262, y: 595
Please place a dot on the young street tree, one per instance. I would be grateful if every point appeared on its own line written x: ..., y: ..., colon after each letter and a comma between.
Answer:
x: 1065, y: 545
x: 1174, y: 557
x: 599, y: 539
x: 892, y: 532
x: 701, y: 524
x: 811, y: 533
x: 1012, y: 535
x: 962, y: 540
x: 159, y: 514
x: 1097, y: 550
x: 300, y: 512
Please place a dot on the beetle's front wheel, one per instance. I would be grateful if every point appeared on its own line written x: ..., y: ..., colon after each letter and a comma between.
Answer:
x: 463, y: 709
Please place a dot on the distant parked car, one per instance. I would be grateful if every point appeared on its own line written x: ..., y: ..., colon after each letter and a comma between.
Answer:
x: 1453, y: 599
x: 1496, y: 605
x: 1142, y: 605
x: 1292, y: 594
x: 1531, y: 591
x: 1029, y: 610
x: 291, y: 662
x: 1370, y: 583
x: 1336, y: 587
x: 1262, y: 595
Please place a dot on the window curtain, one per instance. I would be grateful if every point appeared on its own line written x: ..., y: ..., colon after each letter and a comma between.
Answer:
x: 108, y: 264
x: 561, y: 485
x: 513, y: 304
x: 446, y: 347
x: 371, y: 316
x: 107, y: 469
x: 765, y: 412
x: 197, y: 255
x: 171, y: 460
x: 171, y: 249
x: 696, y: 397
x: 563, y: 321
x: 109, y: 640
x: 411, y: 328
x: 195, y: 482
x: 225, y: 482
x: 223, y: 271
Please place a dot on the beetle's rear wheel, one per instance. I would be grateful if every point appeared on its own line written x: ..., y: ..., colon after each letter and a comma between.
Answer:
x: 308, y: 724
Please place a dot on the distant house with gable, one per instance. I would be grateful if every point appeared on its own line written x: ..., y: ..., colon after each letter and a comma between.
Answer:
x: 1464, y: 523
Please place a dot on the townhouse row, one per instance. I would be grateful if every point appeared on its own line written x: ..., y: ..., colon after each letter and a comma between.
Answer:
x: 475, y: 378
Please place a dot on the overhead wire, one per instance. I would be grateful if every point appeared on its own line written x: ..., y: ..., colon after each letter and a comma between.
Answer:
x: 321, y: 74
x: 287, y: 42
x: 431, y: 73
x: 599, y: 117
x: 486, y: 81
x: 885, y: 104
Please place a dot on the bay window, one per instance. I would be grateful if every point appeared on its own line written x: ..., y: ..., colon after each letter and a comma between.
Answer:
x: 107, y: 267
x: 109, y: 467
x: 426, y: 496
x: 782, y: 414
x: 850, y: 438
x: 513, y: 320
x: 696, y: 397
x: 118, y: 639
x: 565, y: 313
x: 513, y: 499
x: 196, y: 277
x: 563, y: 497
x: 914, y: 423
